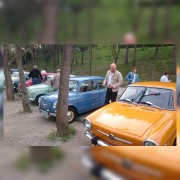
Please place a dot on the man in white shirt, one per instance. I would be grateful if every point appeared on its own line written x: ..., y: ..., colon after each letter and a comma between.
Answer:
x: 165, y: 77
x: 55, y: 80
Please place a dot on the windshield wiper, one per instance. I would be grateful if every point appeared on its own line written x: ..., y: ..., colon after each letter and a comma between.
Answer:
x: 127, y: 100
x: 149, y: 104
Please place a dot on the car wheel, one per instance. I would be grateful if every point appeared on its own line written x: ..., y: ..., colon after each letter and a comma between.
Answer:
x: 174, y: 143
x: 37, y: 98
x: 71, y: 114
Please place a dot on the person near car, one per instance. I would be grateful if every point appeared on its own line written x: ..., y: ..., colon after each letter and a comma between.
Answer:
x: 112, y: 81
x: 55, y: 80
x: 132, y: 77
x: 36, y: 76
x: 165, y: 77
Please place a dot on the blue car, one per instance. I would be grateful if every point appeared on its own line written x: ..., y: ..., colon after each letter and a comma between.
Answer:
x: 85, y: 93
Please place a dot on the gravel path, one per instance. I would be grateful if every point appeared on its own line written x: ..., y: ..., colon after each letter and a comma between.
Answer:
x: 31, y: 129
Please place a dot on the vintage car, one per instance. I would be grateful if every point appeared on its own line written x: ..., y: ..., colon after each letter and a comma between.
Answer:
x: 133, y: 163
x: 30, y: 83
x: 144, y: 115
x: 16, y: 80
x: 85, y: 93
x: 36, y: 91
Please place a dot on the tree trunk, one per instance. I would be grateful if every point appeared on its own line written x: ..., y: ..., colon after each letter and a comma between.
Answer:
x: 49, y: 15
x: 174, y: 58
x: 9, y: 86
x: 166, y: 32
x: 126, y: 55
x: 25, y: 101
x: 153, y: 20
x: 82, y: 58
x: 90, y: 59
x: 134, y: 56
x: 61, y: 116
x: 40, y: 153
x: 154, y: 64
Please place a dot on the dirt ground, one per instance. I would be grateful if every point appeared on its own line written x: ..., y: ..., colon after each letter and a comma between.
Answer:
x: 31, y: 129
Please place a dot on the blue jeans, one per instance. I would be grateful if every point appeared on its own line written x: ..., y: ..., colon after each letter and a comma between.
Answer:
x: 36, y: 81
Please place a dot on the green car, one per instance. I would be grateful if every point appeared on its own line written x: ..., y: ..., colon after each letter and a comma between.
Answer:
x: 36, y: 91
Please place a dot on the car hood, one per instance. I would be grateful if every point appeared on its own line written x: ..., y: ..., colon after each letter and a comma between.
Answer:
x: 38, y: 86
x: 54, y: 96
x: 127, y: 118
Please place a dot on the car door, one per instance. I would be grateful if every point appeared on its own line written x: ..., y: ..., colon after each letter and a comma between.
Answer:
x: 102, y: 93
x: 84, y: 96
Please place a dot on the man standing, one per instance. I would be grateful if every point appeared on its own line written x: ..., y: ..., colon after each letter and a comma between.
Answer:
x: 36, y: 76
x: 165, y: 77
x: 55, y: 80
x: 112, y: 81
x: 132, y: 77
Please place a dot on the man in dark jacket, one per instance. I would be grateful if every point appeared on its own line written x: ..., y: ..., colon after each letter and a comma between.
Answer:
x: 36, y: 76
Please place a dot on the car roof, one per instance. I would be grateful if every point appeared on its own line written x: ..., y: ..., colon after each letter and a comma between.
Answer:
x: 167, y: 85
x: 84, y: 78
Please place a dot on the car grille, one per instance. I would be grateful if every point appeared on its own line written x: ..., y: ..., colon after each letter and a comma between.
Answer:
x: 45, y: 105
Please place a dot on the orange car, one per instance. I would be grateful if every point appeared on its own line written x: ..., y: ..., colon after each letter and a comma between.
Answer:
x: 133, y: 163
x: 144, y: 115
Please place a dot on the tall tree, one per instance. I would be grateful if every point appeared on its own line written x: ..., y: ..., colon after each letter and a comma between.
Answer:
x: 25, y: 101
x: 154, y: 63
x: 134, y: 56
x: 49, y: 26
x: 90, y: 58
x: 7, y: 64
x: 115, y: 52
x: 62, y: 105
x: 126, y: 61
x: 153, y: 20
x: 174, y: 58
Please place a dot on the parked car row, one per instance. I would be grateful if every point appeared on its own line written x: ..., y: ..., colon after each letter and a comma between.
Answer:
x: 144, y: 115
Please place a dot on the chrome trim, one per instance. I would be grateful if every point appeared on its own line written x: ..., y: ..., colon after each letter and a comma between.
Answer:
x: 99, y: 142
x: 116, y: 138
x: 150, y: 140
x: 105, y: 173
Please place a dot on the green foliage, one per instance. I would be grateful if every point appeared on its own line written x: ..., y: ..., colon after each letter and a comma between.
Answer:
x: 22, y: 163
x: 52, y: 136
x: 71, y: 132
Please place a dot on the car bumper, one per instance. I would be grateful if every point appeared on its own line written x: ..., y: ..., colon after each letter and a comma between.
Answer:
x: 104, y: 173
x: 46, y: 114
x: 31, y: 99
x: 95, y: 140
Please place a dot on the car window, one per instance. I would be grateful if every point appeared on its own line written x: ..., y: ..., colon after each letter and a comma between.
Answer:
x: 47, y: 80
x: 100, y: 84
x: 159, y: 97
x: 73, y: 85
x: 88, y: 86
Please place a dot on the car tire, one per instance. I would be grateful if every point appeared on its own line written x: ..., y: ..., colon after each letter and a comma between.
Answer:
x: 72, y: 114
x: 37, y: 98
x: 174, y: 143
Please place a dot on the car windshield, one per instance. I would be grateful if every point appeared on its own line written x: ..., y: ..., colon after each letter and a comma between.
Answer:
x: 73, y: 86
x: 149, y: 96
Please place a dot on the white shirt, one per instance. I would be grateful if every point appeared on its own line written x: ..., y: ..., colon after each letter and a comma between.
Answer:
x: 134, y: 78
x: 164, y: 78
x: 110, y: 78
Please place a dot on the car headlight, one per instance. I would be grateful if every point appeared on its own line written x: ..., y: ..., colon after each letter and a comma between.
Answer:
x: 55, y: 104
x: 39, y: 100
x: 87, y: 123
x: 150, y: 142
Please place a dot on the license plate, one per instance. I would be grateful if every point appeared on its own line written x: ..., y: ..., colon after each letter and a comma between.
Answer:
x: 44, y: 114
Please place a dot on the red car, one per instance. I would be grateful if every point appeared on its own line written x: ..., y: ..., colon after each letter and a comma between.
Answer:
x: 30, y: 83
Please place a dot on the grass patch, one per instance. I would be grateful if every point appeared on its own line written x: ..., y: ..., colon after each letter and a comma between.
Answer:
x: 52, y: 136
x: 71, y: 132
x: 22, y: 163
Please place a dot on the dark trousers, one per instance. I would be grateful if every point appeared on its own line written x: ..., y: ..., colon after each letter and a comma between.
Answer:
x: 110, y: 96
x: 36, y: 81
